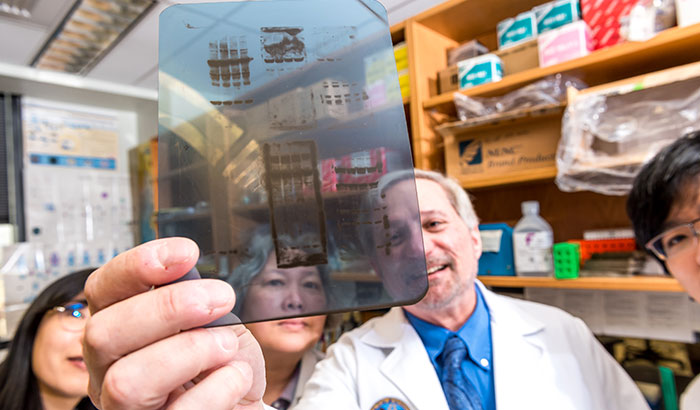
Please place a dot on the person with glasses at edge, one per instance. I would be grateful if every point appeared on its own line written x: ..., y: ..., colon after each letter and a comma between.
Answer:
x: 44, y: 367
x: 664, y: 206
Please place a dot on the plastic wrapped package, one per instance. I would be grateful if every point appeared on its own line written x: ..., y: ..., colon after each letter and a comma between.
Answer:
x: 607, y: 137
x: 548, y: 91
x: 465, y: 51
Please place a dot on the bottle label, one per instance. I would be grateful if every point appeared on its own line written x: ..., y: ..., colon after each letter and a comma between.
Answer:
x: 533, y: 251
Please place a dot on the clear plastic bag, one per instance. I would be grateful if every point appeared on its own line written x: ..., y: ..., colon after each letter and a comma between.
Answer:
x: 607, y: 138
x: 548, y: 91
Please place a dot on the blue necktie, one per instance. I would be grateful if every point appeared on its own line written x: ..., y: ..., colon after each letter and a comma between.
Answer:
x: 459, y: 392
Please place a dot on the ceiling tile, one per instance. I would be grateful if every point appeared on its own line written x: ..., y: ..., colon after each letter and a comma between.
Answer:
x: 20, y: 52
x: 148, y: 80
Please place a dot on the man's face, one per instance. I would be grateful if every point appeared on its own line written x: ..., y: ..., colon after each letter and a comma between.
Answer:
x: 398, y: 257
x: 686, y: 266
x: 450, y: 249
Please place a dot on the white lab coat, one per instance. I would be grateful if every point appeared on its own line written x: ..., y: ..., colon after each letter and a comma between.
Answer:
x: 543, y: 357
x: 308, y: 362
x: 690, y: 400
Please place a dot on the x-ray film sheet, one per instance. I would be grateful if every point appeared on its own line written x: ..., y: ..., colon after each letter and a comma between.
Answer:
x: 283, y: 152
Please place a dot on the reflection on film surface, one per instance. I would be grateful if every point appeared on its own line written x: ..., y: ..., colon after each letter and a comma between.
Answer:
x: 283, y: 152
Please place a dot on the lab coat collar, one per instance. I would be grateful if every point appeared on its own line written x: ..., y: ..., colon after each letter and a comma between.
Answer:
x: 517, y: 353
x: 505, y: 313
x: 407, y: 365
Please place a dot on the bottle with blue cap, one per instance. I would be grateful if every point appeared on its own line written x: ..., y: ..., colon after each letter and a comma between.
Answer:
x: 532, y: 243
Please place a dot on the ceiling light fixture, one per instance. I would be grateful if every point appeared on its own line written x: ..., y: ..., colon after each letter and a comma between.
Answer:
x: 88, y: 32
x: 19, y: 8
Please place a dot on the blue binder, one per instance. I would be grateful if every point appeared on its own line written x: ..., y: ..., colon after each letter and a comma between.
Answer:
x: 497, y: 256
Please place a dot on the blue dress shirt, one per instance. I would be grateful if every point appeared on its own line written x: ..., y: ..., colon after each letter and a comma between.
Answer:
x: 476, y: 334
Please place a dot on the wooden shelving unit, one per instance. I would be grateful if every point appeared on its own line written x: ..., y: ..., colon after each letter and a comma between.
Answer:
x: 496, y: 198
x: 432, y: 32
x: 652, y: 284
x: 670, y: 47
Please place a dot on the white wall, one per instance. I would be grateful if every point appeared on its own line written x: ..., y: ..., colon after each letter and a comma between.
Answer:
x: 133, y: 103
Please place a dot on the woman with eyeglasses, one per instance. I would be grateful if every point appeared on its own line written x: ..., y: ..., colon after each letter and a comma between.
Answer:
x: 664, y: 206
x: 44, y: 367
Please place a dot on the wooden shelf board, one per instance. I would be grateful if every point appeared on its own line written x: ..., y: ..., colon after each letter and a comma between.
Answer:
x: 498, y: 119
x: 464, y: 20
x: 637, y: 283
x: 665, y: 46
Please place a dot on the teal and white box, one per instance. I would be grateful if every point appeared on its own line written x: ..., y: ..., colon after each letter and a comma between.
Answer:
x: 556, y: 14
x: 479, y: 70
x: 516, y: 30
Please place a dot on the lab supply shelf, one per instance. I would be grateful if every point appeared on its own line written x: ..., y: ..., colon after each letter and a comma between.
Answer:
x: 430, y: 34
x: 672, y: 47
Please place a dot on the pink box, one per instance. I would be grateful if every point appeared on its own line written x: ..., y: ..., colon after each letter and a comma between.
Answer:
x: 565, y: 43
x: 358, y: 170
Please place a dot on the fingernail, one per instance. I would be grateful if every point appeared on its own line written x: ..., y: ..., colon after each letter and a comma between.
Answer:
x: 225, y: 338
x: 175, y: 251
x: 215, y: 293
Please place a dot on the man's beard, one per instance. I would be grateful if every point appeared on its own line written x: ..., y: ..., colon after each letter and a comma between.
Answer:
x: 454, y: 287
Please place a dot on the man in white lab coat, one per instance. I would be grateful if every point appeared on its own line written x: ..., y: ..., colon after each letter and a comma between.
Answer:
x: 521, y: 355
x: 144, y: 349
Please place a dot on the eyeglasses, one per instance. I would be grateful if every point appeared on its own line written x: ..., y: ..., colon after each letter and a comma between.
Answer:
x: 73, y: 315
x: 675, y: 242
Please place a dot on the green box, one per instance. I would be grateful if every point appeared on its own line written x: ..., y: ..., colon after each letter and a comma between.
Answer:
x: 479, y: 70
x: 566, y: 260
x: 516, y: 30
x: 556, y: 14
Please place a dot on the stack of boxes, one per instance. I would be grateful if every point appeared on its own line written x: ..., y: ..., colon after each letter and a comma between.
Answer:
x: 401, y: 56
x: 549, y: 34
x: 563, y: 36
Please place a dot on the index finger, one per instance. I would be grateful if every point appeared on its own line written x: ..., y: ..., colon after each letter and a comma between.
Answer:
x: 137, y: 270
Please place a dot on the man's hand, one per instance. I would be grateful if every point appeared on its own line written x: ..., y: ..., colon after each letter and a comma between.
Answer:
x: 143, y: 348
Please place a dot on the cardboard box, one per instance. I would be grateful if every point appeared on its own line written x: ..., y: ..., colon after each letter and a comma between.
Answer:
x: 564, y: 44
x: 687, y: 12
x: 479, y: 70
x: 448, y: 79
x: 555, y: 14
x: 518, y: 29
x: 505, y: 148
x: 603, y: 19
x: 521, y: 57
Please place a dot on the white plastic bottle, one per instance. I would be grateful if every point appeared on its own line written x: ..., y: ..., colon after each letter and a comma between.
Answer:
x: 532, y: 243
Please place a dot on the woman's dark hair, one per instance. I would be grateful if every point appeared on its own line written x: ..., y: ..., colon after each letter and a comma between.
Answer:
x: 19, y: 389
x: 657, y: 187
